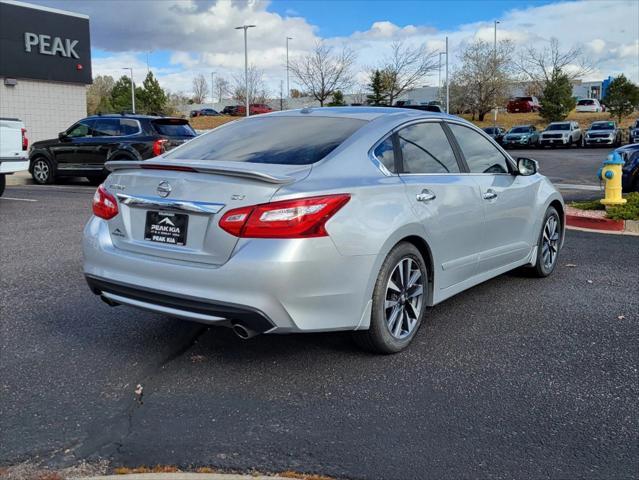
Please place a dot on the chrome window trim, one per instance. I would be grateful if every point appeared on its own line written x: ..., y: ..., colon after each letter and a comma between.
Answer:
x: 462, y: 123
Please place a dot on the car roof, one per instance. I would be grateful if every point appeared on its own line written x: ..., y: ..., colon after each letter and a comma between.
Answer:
x: 519, y: 126
x: 361, y: 113
x: 603, y: 121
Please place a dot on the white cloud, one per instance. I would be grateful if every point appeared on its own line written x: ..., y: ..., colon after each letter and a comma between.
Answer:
x: 201, y: 38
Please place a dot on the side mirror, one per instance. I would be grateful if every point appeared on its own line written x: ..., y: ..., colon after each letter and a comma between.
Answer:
x: 527, y: 166
x: 63, y: 137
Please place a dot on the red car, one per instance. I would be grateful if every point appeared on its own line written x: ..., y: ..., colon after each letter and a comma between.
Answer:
x: 257, y: 108
x: 523, y: 105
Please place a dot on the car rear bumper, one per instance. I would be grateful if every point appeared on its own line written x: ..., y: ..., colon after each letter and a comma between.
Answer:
x: 272, y: 285
x: 12, y: 165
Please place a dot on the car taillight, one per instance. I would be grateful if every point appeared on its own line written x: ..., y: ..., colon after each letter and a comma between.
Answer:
x: 25, y: 140
x: 299, y: 218
x: 159, y: 146
x: 174, y: 168
x: 104, y: 204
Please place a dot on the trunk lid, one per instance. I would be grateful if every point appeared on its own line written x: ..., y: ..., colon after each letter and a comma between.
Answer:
x: 198, y: 198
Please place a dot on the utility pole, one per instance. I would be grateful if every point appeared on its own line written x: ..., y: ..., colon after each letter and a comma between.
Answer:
x: 495, y: 73
x: 245, y: 28
x: 439, y: 78
x: 132, y: 89
x: 288, y: 87
x: 281, y: 95
x: 447, y: 86
x: 212, y: 89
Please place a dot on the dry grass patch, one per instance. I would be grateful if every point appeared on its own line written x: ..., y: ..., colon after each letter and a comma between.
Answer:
x: 509, y: 120
x: 207, y: 123
x: 144, y: 469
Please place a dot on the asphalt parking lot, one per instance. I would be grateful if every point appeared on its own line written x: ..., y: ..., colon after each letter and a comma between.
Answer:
x: 515, y: 378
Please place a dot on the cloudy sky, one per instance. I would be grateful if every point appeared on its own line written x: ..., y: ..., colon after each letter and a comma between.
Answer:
x: 183, y: 38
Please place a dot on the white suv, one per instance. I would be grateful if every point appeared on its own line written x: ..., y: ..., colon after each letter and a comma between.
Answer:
x: 561, y: 133
x: 589, y: 105
x: 13, y: 148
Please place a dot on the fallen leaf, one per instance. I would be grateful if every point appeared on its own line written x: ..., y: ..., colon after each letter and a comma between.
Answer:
x: 621, y: 317
x: 589, y: 281
x: 572, y: 265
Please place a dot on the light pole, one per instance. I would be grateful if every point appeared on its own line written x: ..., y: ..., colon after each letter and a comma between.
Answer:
x: 495, y: 73
x: 212, y: 89
x: 245, y: 28
x: 447, y: 86
x: 288, y: 88
x: 439, y: 78
x: 132, y: 89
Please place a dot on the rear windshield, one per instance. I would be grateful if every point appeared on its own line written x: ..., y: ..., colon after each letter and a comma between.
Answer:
x: 585, y: 102
x: 558, y: 126
x: 490, y: 130
x: 520, y: 130
x: 523, y: 99
x: 276, y: 140
x: 602, y: 126
x: 173, y: 127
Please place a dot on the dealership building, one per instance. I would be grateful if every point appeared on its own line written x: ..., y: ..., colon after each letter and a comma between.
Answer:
x: 45, y: 66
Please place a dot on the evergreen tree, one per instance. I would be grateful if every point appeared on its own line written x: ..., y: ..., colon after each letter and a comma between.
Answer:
x: 152, y: 98
x: 338, y: 99
x: 557, y: 100
x: 622, y: 97
x: 121, y: 95
x: 378, y: 96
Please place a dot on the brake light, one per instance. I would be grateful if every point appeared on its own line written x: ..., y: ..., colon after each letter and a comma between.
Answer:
x: 159, y: 146
x: 299, y: 218
x: 25, y: 140
x: 104, y: 204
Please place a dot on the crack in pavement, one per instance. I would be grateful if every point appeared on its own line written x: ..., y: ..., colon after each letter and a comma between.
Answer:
x: 106, y: 437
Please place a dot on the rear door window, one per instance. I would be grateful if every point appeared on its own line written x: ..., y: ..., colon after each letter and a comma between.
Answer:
x: 81, y: 129
x: 107, y: 127
x: 426, y: 149
x: 298, y: 140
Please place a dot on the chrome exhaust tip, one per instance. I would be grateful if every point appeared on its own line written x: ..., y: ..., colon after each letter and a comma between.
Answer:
x: 109, y: 302
x: 243, y: 332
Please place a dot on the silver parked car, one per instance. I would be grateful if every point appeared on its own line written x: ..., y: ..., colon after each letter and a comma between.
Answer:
x: 561, y: 133
x: 320, y: 220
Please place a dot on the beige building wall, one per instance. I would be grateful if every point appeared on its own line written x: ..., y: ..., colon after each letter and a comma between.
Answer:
x: 46, y: 108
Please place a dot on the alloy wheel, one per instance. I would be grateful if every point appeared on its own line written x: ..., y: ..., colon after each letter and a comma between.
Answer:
x: 550, y: 242
x: 404, y: 295
x: 41, y: 171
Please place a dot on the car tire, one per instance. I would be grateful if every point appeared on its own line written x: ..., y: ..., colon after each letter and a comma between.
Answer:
x: 395, y: 318
x: 548, y: 244
x: 42, y: 171
x: 3, y: 183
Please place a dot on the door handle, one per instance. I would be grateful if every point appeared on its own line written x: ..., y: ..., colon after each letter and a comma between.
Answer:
x: 425, y: 196
x: 489, y: 194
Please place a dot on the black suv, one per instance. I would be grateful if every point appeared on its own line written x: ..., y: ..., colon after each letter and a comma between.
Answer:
x: 83, y: 148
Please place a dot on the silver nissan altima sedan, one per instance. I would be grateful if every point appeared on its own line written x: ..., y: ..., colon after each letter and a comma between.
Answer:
x: 320, y: 219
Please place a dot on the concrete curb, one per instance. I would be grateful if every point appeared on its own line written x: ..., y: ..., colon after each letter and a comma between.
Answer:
x: 183, y: 476
x: 595, y: 220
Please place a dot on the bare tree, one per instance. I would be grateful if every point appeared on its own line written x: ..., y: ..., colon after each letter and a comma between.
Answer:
x: 200, y: 89
x: 258, y: 93
x: 175, y: 102
x: 538, y: 64
x: 322, y: 71
x: 98, y: 94
x: 405, y: 67
x: 484, y: 77
x: 221, y: 88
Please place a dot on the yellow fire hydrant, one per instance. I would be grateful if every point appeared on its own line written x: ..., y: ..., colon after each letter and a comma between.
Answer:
x: 611, y: 175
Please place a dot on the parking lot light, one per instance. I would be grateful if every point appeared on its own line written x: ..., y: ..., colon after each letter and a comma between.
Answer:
x: 245, y: 28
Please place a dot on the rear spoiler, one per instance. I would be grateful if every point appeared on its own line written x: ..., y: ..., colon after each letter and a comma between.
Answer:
x: 185, y: 167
